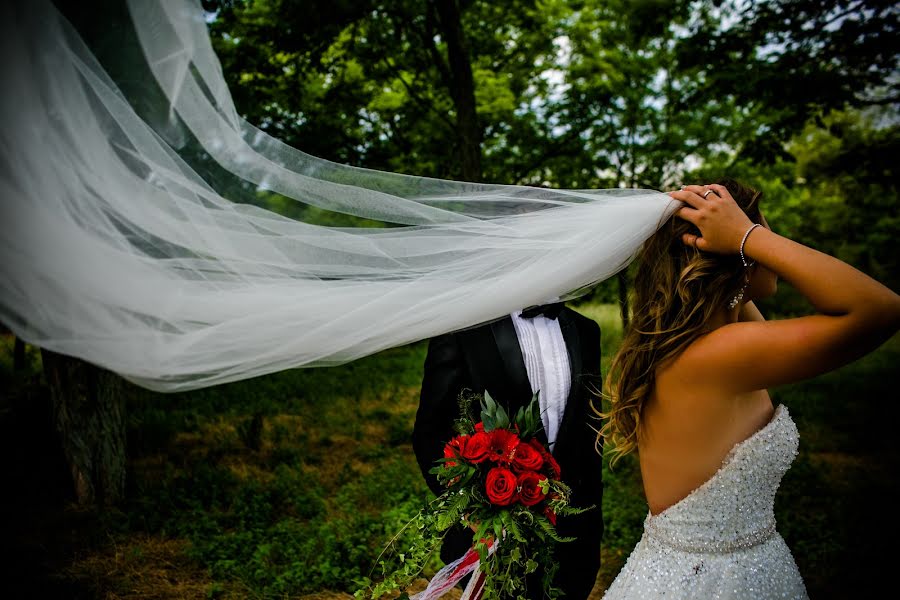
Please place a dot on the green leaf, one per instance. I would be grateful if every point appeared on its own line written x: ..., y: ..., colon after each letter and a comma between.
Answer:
x: 520, y: 416
x: 453, y: 512
x: 515, y: 531
x: 547, y: 528
x: 492, y: 414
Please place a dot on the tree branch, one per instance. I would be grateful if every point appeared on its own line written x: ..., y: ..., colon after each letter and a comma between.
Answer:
x: 427, y: 106
x: 428, y: 41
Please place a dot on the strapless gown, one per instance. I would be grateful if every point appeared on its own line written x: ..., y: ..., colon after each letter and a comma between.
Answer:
x: 720, y: 541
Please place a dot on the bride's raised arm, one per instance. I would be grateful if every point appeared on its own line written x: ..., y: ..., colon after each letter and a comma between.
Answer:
x: 855, y: 313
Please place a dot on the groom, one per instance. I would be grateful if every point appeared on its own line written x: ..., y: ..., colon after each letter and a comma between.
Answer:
x: 550, y: 348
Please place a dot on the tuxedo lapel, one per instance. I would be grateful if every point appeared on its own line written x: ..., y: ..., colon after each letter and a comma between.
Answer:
x: 573, y: 349
x: 511, y: 354
x: 573, y: 346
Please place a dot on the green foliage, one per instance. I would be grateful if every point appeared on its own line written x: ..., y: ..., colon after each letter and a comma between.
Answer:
x: 371, y: 83
x: 493, y: 415
x: 783, y: 63
x: 567, y: 93
x: 277, y: 554
x: 271, y: 482
x: 831, y: 503
x: 286, y: 536
x: 623, y: 507
x: 528, y: 417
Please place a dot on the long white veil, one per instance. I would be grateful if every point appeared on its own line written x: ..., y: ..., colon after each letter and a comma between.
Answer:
x: 134, y: 234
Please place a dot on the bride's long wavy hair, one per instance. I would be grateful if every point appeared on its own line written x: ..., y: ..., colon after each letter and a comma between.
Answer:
x: 677, y: 289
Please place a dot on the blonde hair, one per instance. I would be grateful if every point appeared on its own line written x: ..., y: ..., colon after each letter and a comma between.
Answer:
x: 676, y: 291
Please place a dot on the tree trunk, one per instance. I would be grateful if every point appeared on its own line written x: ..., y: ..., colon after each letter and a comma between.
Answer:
x: 19, y: 355
x: 462, y: 89
x: 88, y: 407
x: 622, y: 280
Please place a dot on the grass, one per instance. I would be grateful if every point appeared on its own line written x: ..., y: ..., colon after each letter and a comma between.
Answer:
x: 288, y: 485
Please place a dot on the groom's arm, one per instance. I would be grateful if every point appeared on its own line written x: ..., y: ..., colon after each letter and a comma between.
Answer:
x: 579, y: 560
x: 445, y: 375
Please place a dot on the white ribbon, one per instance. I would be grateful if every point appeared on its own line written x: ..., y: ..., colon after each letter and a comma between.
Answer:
x: 452, y: 573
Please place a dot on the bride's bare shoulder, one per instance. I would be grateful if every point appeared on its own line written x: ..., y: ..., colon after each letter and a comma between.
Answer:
x: 710, y: 360
x: 697, y: 352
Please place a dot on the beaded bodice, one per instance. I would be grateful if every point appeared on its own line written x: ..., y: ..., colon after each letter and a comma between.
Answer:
x: 735, y: 507
x: 720, y: 541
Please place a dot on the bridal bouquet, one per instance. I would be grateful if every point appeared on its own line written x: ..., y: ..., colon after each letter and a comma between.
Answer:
x: 504, y: 484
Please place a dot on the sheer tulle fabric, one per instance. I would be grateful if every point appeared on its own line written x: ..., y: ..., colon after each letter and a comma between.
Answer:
x: 133, y: 233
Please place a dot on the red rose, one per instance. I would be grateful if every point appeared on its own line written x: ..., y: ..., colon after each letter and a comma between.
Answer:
x: 548, y: 459
x: 527, y: 458
x: 554, y: 466
x: 479, y: 427
x: 501, y: 486
x: 530, y: 492
x: 551, y: 516
x: 503, y: 445
x: 477, y: 447
x: 455, y: 448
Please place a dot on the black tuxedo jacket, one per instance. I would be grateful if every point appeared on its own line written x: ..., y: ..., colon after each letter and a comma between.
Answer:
x: 488, y: 357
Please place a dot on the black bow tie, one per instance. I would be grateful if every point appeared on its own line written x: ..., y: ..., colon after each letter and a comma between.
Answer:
x: 551, y: 311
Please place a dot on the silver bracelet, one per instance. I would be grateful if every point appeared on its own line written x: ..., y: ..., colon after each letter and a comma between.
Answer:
x: 743, y: 241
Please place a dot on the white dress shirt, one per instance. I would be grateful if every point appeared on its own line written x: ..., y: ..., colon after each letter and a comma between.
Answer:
x: 547, y: 362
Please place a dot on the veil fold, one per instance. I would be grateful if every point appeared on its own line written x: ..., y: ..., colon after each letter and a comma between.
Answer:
x: 137, y: 235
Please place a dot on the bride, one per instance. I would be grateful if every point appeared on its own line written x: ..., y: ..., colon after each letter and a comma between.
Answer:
x: 688, y: 392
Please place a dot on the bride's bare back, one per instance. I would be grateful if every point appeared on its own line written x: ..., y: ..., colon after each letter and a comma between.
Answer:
x: 688, y: 429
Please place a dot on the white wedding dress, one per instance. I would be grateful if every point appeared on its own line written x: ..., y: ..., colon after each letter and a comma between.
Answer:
x: 720, y: 541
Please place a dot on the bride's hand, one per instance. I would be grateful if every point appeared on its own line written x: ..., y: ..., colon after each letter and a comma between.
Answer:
x: 721, y: 221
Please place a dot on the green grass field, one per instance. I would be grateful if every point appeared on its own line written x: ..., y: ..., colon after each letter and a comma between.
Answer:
x: 219, y: 507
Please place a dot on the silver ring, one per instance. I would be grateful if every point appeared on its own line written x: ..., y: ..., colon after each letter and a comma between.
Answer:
x: 708, y: 192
